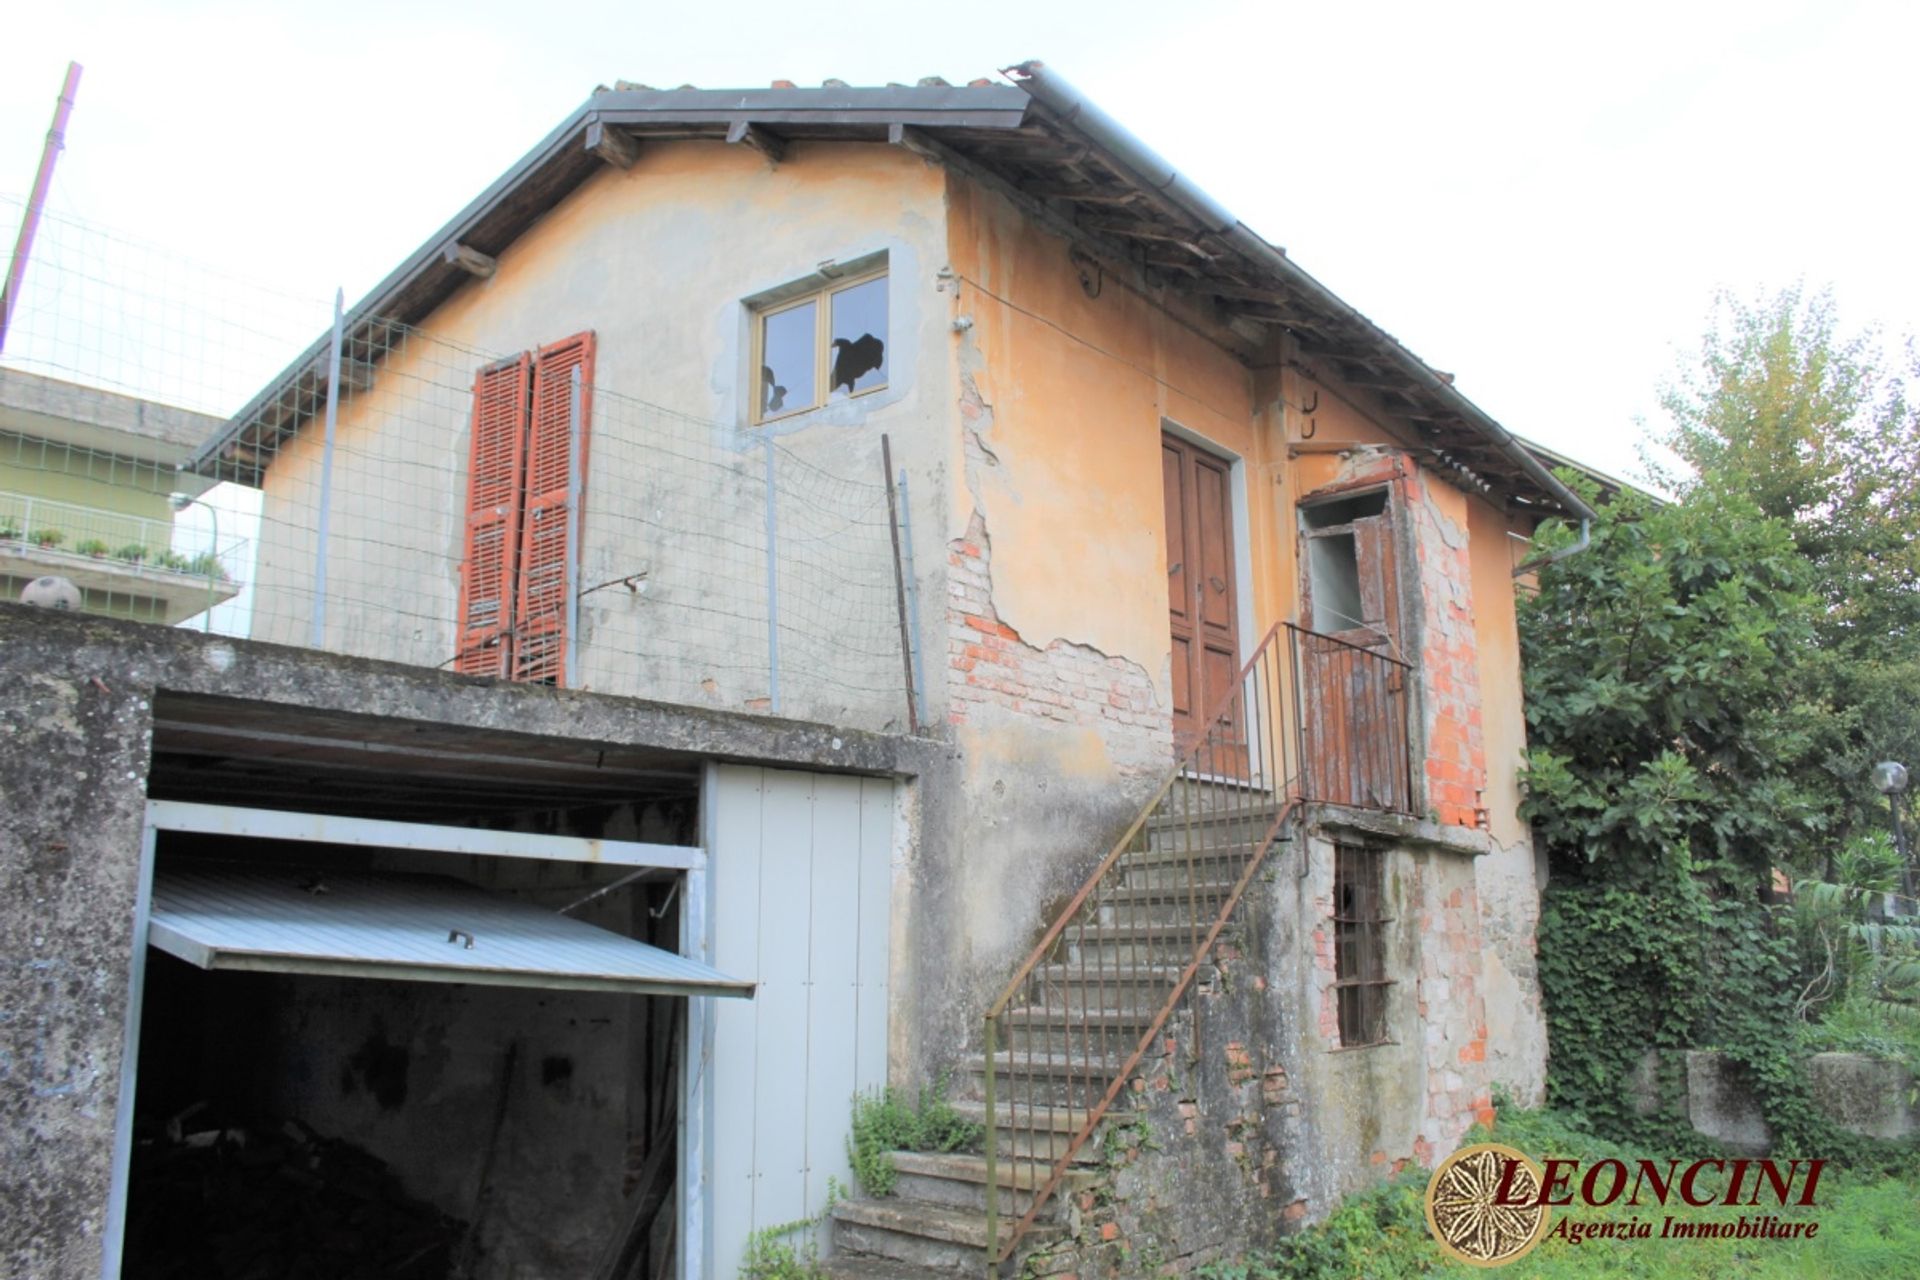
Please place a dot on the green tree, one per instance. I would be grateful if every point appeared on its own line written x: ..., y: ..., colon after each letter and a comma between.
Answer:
x: 1666, y: 778
x: 1811, y: 425
x: 1659, y: 666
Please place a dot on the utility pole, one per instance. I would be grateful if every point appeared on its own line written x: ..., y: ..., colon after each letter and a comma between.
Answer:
x: 30, y: 221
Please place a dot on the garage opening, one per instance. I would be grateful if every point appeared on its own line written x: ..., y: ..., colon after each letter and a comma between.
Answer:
x: 500, y: 1130
x: 370, y: 1047
x: 358, y: 1059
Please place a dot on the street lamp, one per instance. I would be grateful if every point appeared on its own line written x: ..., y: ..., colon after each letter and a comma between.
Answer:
x: 181, y: 501
x: 1890, y: 780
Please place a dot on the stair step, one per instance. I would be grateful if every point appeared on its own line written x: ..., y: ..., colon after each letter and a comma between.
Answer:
x: 1039, y: 1016
x: 1185, y: 936
x: 1212, y: 891
x: 905, y: 1227
x: 1206, y: 859
x: 1042, y: 1132
x: 870, y: 1268
x: 1174, y: 817
x: 958, y: 1180
x: 1112, y: 976
x: 962, y: 1166
x: 1063, y: 1120
x: 1071, y: 1066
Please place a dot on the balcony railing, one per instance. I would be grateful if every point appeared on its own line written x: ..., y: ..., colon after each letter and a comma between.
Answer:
x: 124, y: 564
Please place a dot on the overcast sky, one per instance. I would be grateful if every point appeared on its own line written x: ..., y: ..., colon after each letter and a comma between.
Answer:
x: 1539, y: 198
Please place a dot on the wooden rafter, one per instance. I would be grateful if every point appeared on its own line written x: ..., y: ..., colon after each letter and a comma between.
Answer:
x: 615, y: 146
x: 746, y: 133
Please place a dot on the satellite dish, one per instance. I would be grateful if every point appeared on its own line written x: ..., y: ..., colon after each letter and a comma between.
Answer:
x: 51, y: 593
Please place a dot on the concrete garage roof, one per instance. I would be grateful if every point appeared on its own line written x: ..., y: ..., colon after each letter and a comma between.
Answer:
x: 1036, y: 140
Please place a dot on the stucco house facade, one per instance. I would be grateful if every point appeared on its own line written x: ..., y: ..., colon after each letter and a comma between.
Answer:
x: 1189, y: 855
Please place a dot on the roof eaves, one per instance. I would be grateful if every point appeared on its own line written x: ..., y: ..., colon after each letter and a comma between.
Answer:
x: 990, y: 107
x: 312, y: 362
x: 1072, y: 110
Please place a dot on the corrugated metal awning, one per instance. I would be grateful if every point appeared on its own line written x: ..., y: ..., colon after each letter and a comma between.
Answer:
x: 411, y: 927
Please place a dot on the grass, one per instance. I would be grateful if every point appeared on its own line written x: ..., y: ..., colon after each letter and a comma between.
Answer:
x: 1869, y: 1228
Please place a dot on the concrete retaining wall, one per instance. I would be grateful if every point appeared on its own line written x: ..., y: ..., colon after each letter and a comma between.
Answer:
x: 1872, y: 1097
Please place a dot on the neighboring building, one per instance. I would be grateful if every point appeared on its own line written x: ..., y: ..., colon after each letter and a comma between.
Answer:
x: 85, y: 478
x: 1222, y: 607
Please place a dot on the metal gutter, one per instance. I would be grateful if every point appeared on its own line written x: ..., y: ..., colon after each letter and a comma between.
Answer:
x: 1075, y: 108
x: 1574, y: 548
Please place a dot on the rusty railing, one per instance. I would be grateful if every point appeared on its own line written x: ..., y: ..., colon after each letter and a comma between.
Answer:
x: 1311, y: 718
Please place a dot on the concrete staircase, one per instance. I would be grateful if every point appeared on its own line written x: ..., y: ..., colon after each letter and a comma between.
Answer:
x: 1110, y: 975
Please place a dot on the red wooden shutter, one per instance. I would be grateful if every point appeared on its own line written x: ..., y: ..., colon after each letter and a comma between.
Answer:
x: 495, y: 464
x: 540, y: 641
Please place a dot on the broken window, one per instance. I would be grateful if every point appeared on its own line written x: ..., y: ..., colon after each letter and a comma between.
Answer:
x: 1359, y: 945
x: 1351, y: 583
x: 828, y: 342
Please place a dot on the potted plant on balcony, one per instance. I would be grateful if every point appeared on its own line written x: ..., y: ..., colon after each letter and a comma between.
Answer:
x: 48, y: 538
x: 207, y: 565
x: 91, y: 547
x: 9, y: 531
x: 132, y: 553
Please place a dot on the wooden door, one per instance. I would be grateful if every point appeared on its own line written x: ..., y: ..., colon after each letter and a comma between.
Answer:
x: 1355, y: 712
x: 1202, y: 595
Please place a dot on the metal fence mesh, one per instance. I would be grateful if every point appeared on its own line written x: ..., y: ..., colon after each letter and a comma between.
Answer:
x: 715, y: 567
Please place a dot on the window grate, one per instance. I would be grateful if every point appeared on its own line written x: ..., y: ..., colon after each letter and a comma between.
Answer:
x: 1359, y: 952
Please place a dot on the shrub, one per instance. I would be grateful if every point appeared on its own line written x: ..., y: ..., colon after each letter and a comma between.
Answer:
x: 888, y: 1121
x: 768, y: 1256
x: 205, y: 565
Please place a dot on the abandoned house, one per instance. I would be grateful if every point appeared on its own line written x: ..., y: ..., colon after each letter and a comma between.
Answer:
x: 790, y: 591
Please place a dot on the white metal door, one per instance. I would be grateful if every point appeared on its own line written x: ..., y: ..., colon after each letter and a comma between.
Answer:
x: 800, y: 895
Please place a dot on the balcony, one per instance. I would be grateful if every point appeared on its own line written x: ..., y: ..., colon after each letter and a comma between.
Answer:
x: 125, y: 565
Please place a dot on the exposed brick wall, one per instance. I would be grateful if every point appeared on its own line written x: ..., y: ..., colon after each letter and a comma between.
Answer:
x: 1453, y: 1019
x: 1455, y: 767
x: 1456, y: 760
x: 992, y: 667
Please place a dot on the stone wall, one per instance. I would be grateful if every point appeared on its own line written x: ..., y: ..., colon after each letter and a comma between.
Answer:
x: 1868, y: 1096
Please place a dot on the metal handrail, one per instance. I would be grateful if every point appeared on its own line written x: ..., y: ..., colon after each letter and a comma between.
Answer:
x: 1256, y: 776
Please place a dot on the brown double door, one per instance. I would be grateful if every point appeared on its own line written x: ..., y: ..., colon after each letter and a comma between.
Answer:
x: 1202, y: 602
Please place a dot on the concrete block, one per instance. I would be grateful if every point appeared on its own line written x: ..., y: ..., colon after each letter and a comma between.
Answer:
x: 1720, y: 1105
x: 1873, y: 1097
